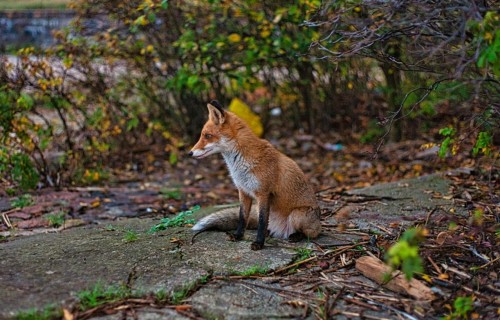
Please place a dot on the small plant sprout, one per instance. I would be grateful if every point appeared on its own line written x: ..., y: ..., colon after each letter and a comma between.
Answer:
x: 177, y: 296
x: 56, y: 219
x: 404, y: 253
x: 161, y: 296
x: 179, y: 220
x: 462, y: 306
x: 22, y: 201
x: 171, y: 193
x: 303, y: 254
x: 130, y: 236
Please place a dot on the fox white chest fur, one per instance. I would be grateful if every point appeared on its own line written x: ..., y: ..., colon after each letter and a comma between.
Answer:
x: 240, y: 170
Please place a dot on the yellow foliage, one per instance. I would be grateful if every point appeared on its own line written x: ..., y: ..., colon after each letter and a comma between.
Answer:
x: 265, y: 33
x: 427, y: 278
x: 243, y: 111
x: 234, y: 37
x: 427, y: 146
x: 116, y: 130
x: 488, y: 36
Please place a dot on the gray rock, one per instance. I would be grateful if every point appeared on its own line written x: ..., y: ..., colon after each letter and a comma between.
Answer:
x: 242, y: 300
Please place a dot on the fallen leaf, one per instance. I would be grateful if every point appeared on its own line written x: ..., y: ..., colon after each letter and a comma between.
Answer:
x: 67, y: 314
x: 427, y: 278
x: 183, y: 307
x: 71, y: 223
x: 95, y: 203
x: 212, y: 195
x: 466, y: 196
x: 32, y: 223
x: 341, y: 227
x: 443, y: 276
x: 295, y: 303
x: 344, y: 213
x: 441, y: 237
x: 20, y: 215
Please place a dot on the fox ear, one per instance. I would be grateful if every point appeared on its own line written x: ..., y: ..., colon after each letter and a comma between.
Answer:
x: 216, y: 113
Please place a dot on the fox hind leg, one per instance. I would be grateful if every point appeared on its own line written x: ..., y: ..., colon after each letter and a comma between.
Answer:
x: 306, y: 223
x: 244, y: 216
x: 262, y: 230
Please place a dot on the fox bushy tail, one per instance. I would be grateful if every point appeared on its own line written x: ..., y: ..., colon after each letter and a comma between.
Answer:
x: 225, y: 220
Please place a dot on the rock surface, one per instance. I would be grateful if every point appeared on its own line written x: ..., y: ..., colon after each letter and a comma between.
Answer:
x: 52, y: 268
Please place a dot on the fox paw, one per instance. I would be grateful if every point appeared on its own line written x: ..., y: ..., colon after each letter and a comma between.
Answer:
x: 296, y: 237
x: 257, y: 246
x: 234, y: 236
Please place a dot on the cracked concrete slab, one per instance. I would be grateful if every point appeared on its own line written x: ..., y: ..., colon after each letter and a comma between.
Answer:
x: 52, y: 268
x: 243, y: 300
x: 402, y: 202
x: 145, y: 314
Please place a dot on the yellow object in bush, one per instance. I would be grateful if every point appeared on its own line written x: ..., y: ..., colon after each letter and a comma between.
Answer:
x: 243, y: 111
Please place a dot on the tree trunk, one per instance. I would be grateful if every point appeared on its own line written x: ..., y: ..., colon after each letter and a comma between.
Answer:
x: 394, y: 94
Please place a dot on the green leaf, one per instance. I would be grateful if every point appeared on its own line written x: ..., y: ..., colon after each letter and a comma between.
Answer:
x: 404, y: 254
x: 172, y: 159
x: 483, y: 143
x: 23, y: 171
x: 151, y: 17
x: 132, y: 123
x: 448, y: 131
x: 462, y: 306
x: 445, y: 147
x: 25, y: 101
x: 192, y: 81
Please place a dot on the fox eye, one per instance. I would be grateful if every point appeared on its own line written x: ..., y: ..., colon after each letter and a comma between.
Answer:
x: 208, y: 136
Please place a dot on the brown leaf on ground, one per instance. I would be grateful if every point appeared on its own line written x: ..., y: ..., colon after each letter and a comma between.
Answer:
x: 344, y: 213
x: 20, y: 215
x: 36, y: 210
x: 441, y: 237
x: 32, y: 223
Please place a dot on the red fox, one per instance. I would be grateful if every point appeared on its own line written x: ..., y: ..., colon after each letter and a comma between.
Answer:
x: 286, y: 204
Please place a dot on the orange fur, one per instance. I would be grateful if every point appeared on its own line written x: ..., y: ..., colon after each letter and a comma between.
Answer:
x: 285, y: 201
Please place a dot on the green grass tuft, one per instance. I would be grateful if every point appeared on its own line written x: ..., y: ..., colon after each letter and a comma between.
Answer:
x: 22, y: 201
x: 99, y: 295
x: 56, y: 219
x: 256, y: 270
x: 130, y: 236
x: 50, y: 312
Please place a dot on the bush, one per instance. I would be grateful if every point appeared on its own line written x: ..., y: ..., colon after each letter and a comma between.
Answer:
x: 136, y: 73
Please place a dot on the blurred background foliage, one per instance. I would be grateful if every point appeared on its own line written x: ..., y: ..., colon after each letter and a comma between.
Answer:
x: 128, y: 75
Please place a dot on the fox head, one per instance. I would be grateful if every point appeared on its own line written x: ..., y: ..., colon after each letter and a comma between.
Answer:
x: 215, y: 135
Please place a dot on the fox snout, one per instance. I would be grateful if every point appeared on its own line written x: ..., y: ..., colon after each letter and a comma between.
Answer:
x: 199, y: 153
